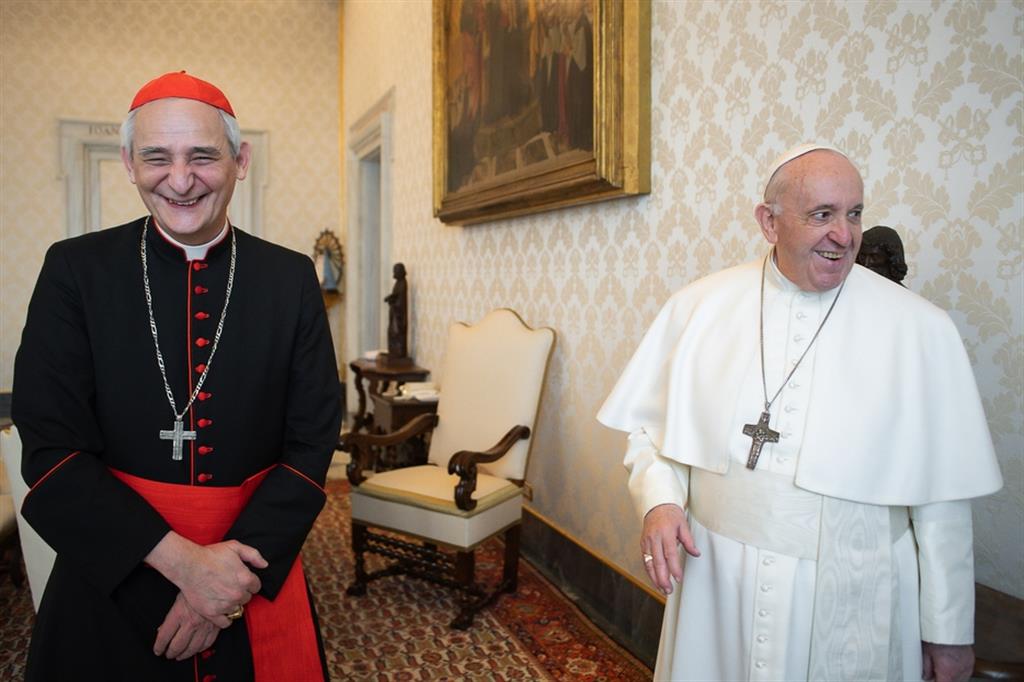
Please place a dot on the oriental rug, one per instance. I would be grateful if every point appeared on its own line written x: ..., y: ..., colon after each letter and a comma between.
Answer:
x: 399, y: 630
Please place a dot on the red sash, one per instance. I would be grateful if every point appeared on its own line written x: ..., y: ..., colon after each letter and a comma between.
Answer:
x: 281, y: 632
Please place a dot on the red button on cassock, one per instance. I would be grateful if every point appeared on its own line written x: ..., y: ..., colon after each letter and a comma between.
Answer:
x: 203, y: 478
x: 206, y: 654
x: 209, y: 678
x: 203, y: 423
x: 205, y: 449
x: 203, y: 395
x: 199, y: 265
x: 202, y: 342
x: 200, y: 290
x: 200, y: 368
x: 202, y: 316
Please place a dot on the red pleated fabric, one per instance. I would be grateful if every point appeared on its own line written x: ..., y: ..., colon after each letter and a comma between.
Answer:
x: 281, y: 631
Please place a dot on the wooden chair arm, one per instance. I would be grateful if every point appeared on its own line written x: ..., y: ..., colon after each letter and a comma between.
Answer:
x: 362, y: 446
x: 463, y: 464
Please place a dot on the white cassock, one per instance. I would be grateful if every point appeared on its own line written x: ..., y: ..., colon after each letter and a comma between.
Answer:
x: 810, y: 563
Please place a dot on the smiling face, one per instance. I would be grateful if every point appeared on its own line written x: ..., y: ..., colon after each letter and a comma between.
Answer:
x: 816, y: 222
x: 182, y: 164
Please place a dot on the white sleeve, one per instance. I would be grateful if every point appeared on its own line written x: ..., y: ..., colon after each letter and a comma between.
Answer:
x: 653, y: 479
x: 945, y: 552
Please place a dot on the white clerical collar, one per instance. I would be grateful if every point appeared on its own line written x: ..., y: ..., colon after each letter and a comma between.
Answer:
x: 778, y: 280
x: 192, y: 252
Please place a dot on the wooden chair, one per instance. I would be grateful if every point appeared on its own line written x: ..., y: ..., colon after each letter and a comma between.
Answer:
x: 471, y: 488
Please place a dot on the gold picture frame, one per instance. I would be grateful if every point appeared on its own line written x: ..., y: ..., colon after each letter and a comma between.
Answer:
x: 520, y: 86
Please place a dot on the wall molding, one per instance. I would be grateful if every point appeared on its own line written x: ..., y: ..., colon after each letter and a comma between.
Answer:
x: 369, y: 216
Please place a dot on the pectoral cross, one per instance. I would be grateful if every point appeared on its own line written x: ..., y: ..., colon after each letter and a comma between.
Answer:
x: 760, y: 434
x: 177, y: 434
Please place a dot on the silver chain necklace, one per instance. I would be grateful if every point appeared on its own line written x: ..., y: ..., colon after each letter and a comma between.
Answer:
x: 760, y: 433
x: 177, y: 434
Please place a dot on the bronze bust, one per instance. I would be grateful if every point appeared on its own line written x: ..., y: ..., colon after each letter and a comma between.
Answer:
x: 882, y: 251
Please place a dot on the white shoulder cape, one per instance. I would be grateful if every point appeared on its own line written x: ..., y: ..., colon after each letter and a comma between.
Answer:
x: 895, y: 417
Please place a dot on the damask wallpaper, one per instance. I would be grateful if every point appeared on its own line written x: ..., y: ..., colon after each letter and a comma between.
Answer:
x: 277, y: 60
x: 925, y: 96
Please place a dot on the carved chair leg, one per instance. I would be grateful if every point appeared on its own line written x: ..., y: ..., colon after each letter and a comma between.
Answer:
x: 477, y: 599
x: 510, y: 573
x: 465, y: 568
x: 358, y: 588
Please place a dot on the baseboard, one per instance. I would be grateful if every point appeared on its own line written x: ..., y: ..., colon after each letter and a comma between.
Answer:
x: 623, y: 609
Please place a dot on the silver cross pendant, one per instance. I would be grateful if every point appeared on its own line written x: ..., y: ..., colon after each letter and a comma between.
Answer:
x: 177, y: 435
x: 760, y: 434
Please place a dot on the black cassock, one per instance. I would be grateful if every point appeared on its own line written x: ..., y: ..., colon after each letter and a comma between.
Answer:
x: 88, y: 397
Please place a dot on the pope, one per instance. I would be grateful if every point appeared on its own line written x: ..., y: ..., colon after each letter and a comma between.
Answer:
x: 810, y: 434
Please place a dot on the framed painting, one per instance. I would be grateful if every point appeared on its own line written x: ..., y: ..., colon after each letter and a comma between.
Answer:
x: 539, y: 104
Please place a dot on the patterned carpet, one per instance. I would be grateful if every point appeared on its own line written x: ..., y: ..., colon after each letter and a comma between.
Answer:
x: 399, y: 630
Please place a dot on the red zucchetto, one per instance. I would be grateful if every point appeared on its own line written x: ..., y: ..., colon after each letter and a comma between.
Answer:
x: 180, y: 84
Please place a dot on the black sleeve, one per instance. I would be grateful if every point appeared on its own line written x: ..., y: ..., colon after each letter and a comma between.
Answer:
x: 93, y: 520
x: 281, y: 512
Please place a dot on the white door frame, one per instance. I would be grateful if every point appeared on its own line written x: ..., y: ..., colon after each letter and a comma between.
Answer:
x: 369, y: 140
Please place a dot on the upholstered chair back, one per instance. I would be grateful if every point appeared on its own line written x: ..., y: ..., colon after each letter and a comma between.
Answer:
x: 491, y: 380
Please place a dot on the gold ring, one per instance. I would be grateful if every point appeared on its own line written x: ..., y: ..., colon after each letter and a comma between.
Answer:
x: 236, y: 614
x: 647, y: 559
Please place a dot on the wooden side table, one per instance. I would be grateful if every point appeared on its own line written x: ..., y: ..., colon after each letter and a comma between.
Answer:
x: 379, y: 377
x: 391, y: 414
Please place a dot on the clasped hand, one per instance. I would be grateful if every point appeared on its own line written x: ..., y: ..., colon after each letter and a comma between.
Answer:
x: 184, y: 633
x: 214, y: 580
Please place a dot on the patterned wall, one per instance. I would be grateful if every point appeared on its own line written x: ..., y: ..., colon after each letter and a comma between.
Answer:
x: 277, y: 60
x: 926, y: 96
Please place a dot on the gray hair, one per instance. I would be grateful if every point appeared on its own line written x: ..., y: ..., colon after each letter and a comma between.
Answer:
x: 231, y: 131
x: 772, y: 191
x: 775, y: 188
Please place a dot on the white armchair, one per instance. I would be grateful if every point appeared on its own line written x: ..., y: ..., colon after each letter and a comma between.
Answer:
x: 471, y: 488
x: 39, y: 556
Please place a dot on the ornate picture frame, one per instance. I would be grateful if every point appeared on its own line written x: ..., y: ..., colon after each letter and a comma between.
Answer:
x: 539, y: 104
